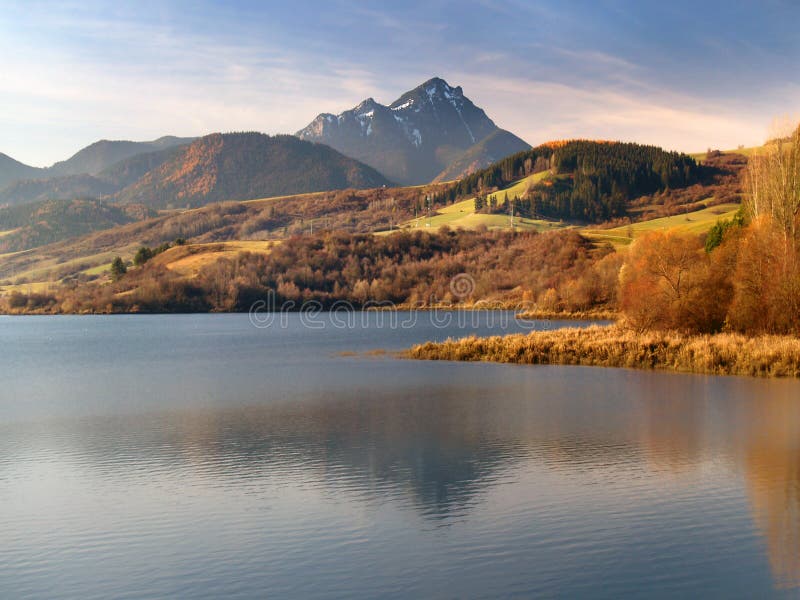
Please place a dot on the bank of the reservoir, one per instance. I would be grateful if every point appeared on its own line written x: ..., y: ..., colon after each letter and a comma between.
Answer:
x: 616, y: 346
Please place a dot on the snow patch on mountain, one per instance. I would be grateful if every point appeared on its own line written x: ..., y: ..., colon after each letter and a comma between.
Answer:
x: 403, y: 106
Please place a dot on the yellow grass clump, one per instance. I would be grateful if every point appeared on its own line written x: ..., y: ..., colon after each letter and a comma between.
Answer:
x: 617, y: 346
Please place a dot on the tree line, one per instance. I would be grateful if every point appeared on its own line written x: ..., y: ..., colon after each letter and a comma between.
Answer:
x: 560, y: 269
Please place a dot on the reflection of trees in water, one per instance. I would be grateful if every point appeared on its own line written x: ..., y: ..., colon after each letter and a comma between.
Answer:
x: 673, y: 431
x: 772, y: 461
x: 758, y: 427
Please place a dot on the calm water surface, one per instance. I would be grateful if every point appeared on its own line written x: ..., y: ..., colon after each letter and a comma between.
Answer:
x: 202, y: 457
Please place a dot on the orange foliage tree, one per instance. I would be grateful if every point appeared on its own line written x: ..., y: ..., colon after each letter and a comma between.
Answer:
x: 669, y: 282
x: 766, y: 280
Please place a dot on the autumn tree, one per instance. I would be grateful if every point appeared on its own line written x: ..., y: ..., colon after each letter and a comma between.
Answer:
x: 767, y: 278
x: 773, y: 183
x: 669, y: 282
x: 766, y: 281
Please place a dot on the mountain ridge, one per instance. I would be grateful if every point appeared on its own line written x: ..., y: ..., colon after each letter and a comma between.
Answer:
x: 90, y: 160
x: 104, y: 153
x: 246, y: 166
x: 12, y: 170
x: 83, y: 185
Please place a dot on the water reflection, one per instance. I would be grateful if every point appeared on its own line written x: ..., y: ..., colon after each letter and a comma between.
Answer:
x: 440, y: 455
x: 364, y: 478
x: 436, y: 454
x: 771, y: 462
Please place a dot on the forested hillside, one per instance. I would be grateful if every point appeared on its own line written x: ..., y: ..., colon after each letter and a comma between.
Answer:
x: 244, y: 166
x: 50, y: 221
x: 591, y: 181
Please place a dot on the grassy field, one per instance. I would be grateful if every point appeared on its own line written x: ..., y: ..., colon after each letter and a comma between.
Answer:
x: 695, y: 222
x: 185, y: 260
x: 98, y: 270
x: 44, y: 273
x: 520, y: 187
x: 29, y: 288
x: 266, y: 201
x: 700, y: 156
x: 462, y: 214
x: 190, y: 259
x: 471, y: 220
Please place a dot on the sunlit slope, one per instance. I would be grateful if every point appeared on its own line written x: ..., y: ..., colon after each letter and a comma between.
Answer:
x: 462, y: 213
x: 186, y: 260
x: 190, y: 259
x: 695, y: 222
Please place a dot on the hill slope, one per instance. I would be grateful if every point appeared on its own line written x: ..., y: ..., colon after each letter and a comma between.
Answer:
x: 590, y: 181
x: 99, y: 156
x: 12, y: 170
x: 414, y: 138
x: 243, y: 166
x: 66, y: 187
x: 51, y: 221
x: 28, y: 191
x: 491, y: 149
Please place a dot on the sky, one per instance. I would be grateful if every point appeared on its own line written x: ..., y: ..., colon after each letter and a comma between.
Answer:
x: 678, y: 74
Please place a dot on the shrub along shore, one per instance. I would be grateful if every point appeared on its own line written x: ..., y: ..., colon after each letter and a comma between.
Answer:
x: 617, y: 346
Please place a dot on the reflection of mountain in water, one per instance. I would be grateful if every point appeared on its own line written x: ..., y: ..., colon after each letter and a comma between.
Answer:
x: 436, y: 456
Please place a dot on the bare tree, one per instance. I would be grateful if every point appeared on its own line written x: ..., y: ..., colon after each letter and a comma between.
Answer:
x: 773, y: 182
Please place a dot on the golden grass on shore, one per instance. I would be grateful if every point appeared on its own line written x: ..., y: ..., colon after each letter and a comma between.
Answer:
x: 581, y: 315
x: 616, y: 346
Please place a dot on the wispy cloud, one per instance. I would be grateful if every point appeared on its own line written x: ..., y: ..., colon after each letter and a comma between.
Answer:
x: 74, y: 73
x: 558, y: 111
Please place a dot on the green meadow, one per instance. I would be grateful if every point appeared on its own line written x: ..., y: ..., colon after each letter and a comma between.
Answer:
x: 694, y: 222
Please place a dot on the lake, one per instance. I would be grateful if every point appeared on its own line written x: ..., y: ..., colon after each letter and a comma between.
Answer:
x: 208, y: 456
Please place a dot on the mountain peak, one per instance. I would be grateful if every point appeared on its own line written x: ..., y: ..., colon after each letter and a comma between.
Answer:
x: 366, y: 106
x: 436, y: 82
x: 412, y: 139
x: 435, y: 88
x: 439, y: 85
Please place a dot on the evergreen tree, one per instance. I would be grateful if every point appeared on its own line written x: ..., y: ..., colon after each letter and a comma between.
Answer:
x: 118, y: 268
x: 143, y: 254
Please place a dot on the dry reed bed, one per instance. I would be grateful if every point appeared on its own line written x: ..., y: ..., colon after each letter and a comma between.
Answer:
x: 578, y: 315
x: 616, y: 346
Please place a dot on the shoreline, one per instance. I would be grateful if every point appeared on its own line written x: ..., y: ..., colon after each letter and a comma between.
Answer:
x: 615, y: 346
x: 525, y: 315
x: 583, y: 315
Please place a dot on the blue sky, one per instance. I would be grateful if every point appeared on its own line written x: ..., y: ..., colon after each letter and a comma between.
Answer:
x: 684, y: 75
